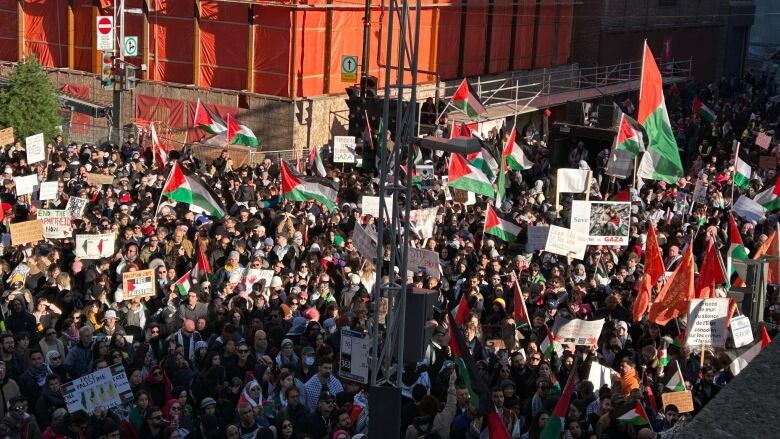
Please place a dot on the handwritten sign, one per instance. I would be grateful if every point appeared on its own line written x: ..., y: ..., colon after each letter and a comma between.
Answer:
x: 7, y: 136
x: 138, y: 283
x: 565, y: 242
x: 103, y: 389
x: 741, y: 331
x: 537, y: 238
x: 364, y: 243
x: 424, y: 260
x: 683, y: 400
x: 95, y: 246
x: 76, y: 207
x: 26, y: 184
x: 707, y: 322
x: 48, y: 191
x: 767, y: 162
x: 56, y: 223
x: 36, y: 148
x: 370, y: 205
x: 344, y: 149
x: 255, y: 275
x: 26, y: 232
x: 100, y: 179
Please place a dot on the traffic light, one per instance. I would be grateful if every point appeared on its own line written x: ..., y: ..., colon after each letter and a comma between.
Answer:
x: 107, y: 70
x: 130, y: 78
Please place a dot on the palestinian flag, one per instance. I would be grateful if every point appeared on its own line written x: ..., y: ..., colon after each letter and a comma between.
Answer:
x: 207, y: 121
x: 238, y: 134
x: 500, y: 227
x: 315, y: 161
x: 557, y: 422
x: 185, y: 187
x: 299, y: 188
x: 663, y: 355
x: 520, y: 310
x: 549, y: 345
x: 183, y: 285
x: 202, y: 267
x: 703, y: 111
x: 158, y: 149
x: 461, y: 312
x: 736, y: 252
x: 770, y: 198
x: 484, y: 161
x: 740, y: 363
x: 662, y: 159
x: 514, y: 155
x: 635, y: 415
x: 629, y: 136
x: 466, y: 101
x: 495, y: 426
x: 467, y: 368
x: 467, y: 177
x: 676, y: 382
x: 742, y: 173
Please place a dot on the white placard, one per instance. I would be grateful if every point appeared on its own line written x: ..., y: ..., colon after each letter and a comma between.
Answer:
x: 423, y: 221
x: 707, y: 322
x: 35, y: 147
x: 600, y: 375
x: 537, y: 238
x: 95, y: 246
x: 578, y: 331
x: 76, y: 206
x: 48, y: 190
x: 364, y: 243
x: 56, y: 223
x: 370, y: 205
x: 26, y: 184
x: 700, y: 192
x: 604, y: 222
x: 103, y: 389
x: 563, y: 241
x: 255, y: 275
x: 741, y: 331
x: 353, y: 356
x: 344, y: 149
x: 445, y: 179
x: 424, y: 260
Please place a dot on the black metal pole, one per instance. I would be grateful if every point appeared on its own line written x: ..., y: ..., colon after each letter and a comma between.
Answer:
x: 366, y: 48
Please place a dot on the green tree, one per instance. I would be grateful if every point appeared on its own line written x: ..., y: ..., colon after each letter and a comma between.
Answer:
x: 29, y: 101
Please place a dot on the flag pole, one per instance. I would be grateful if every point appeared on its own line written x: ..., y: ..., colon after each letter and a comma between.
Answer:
x: 159, y: 201
x: 736, y: 157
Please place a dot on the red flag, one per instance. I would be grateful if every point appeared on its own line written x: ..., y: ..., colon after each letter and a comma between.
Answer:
x: 711, y: 273
x: 677, y: 291
x: 642, y: 302
x: 496, y: 427
x: 624, y: 195
x: 731, y: 311
x: 654, y: 262
x: 770, y: 248
x: 521, y: 312
x: 650, y: 394
x: 462, y: 313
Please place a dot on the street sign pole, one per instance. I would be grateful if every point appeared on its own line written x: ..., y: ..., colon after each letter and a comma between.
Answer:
x: 119, y: 21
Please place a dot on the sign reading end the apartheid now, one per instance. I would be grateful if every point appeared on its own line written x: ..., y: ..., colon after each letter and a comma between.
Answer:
x: 26, y: 232
x: 103, y: 389
x: 138, y: 283
x: 741, y: 331
x: 707, y: 322
x: 56, y: 223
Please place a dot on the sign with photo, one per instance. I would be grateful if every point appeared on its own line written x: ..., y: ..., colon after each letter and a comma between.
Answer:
x: 425, y: 174
x: 56, y: 223
x: 578, y: 331
x: 604, y: 222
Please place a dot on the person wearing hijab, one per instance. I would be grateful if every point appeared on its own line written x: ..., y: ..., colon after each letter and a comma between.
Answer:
x: 252, y: 394
x: 54, y: 362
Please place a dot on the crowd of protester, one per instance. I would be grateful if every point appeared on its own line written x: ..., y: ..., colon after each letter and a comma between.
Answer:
x: 226, y: 361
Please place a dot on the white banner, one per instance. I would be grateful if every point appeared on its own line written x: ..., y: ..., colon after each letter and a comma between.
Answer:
x: 572, y: 180
x: 56, y: 223
x: 95, y: 246
x: 577, y: 331
x: 26, y: 184
x: 344, y: 149
x: 370, y: 205
x: 707, y: 322
x: 423, y: 221
x: 424, y: 260
x: 537, y: 238
x: 36, y: 148
x: 600, y: 375
x: 741, y: 331
x: 604, y: 222
x: 364, y: 243
x: 48, y: 191
x: 76, y: 206
x: 103, y: 389
x: 563, y: 241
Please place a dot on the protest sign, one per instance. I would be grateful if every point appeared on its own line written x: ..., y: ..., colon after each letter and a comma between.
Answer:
x: 36, y: 148
x: 620, y: 164
x: 95, y: 246
x: 48, y: 191
x: 700, y: 192
x: 767, y: 162
x: 600, y: 375
x: 56, y: 223
x: 103, y: 389
x: 100, y: 179
x: 255, y: 275
x: 353, y: 356
x: 707, y: 322
x: 741, y: 331
x: 537, y: 238
x: 370, y: 205
x: 563, y: 241
x: 344, y: 149
x: 577, y: 331
x: 447, y: 194
x: 76, y: 207
x: 138, y: 283
x: 605, y: 222
x: 763, y: 140
x: 26, y: 184
x: 236, y: 275
x: 364, y: 243
x: 26, y: 232
x: 423, y: 221
x: 424, y: 260
x: 7, y: 136
x: 425, y: 174
x: 683, y: 400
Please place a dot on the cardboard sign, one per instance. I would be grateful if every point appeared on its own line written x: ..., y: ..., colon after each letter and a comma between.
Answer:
x: 537, y: 238
x: 767, y: 162
x: 76, y: 207
x: 95, y: 246
x: 763, y: 140
x: 36, y: 148
x: 103, y: 389
x: 424, y: 260
x: 100, y: 179
x: 577, y: 331
x: 707, y: 322
x: 344, y: 149
x: 370, y: 205
x: 565, y: 242
x: 700, y: 192
x: 605, y: 222
x: 364, y: 243
x: 7, y: 136
x: 26, y: 184
x: 26, y: 232
x: 56, y: 223
x: 138, y: 283
x: 741, y: 331
x: 48, y: 190
x: 683, y: 400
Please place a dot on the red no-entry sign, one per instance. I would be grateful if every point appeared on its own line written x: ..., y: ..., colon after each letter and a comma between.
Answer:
x: 105, y: 33
x: 105, y: 25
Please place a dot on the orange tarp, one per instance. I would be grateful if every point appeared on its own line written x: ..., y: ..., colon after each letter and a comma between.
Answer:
x: 79, y: 123
x: 171, y: 44
x: 501, y: 35
x: 474, y: 40
x: 46, y: 31
x: 176, y: 113
x: 271, y: 65
x: 223, y: 45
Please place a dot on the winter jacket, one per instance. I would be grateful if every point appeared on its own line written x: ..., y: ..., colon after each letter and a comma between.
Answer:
x: 79, y: 361
x: 8, y: 390
x: 27, y: 430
